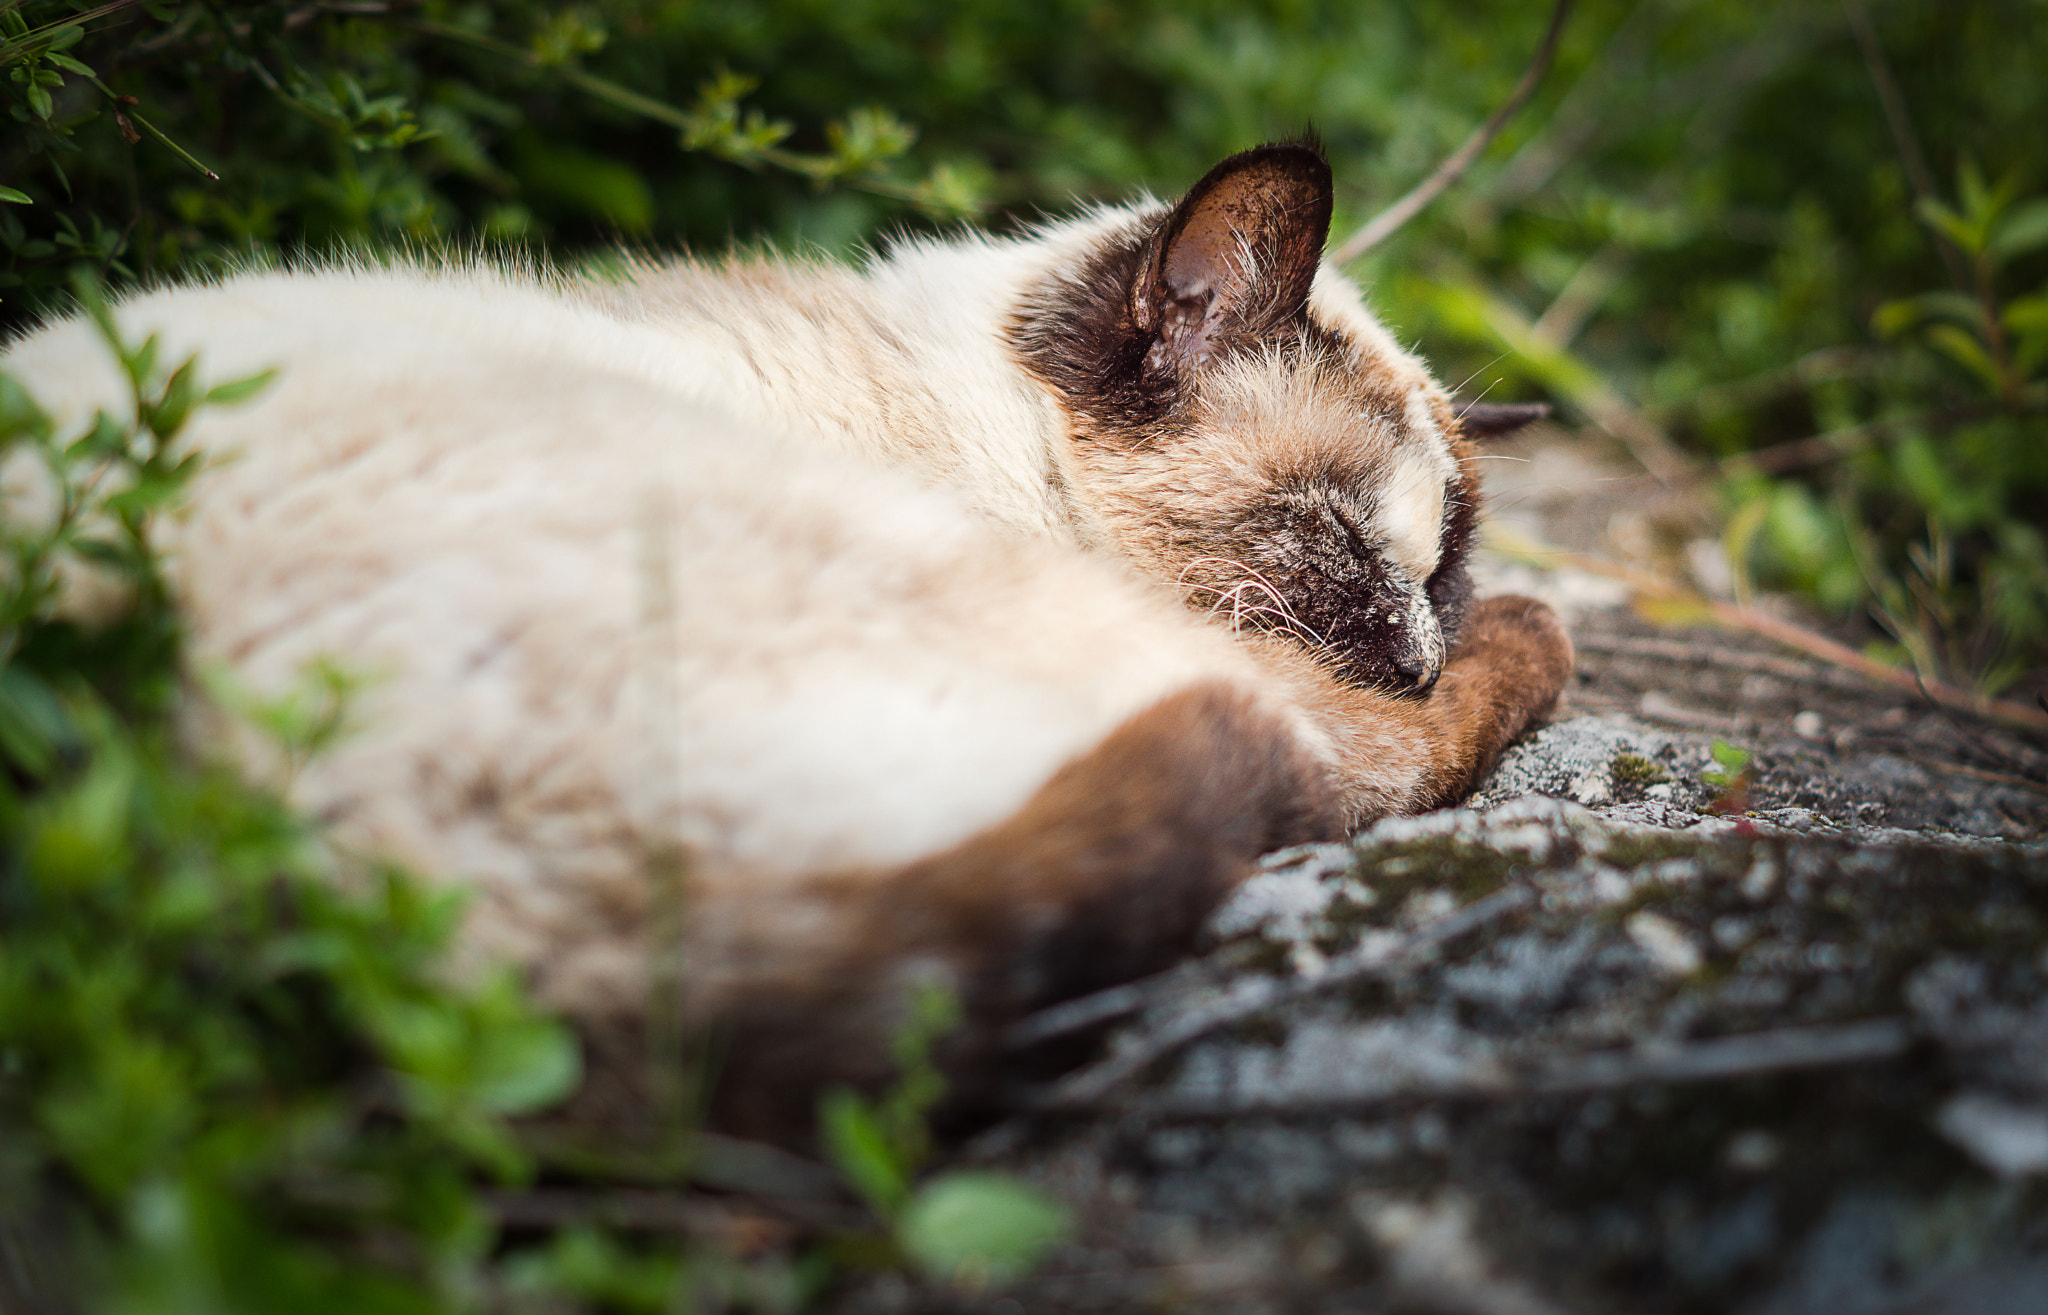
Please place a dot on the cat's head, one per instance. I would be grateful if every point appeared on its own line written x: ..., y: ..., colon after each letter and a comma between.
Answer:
x: 1247, y: 430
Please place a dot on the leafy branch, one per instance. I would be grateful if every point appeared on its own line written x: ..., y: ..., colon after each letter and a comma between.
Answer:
x: 718, y: 122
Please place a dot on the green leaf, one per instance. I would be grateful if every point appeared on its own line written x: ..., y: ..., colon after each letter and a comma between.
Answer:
x: 1967, y: 237
x: 1732, y: 762
x: 66, y: 62
x: 1964, y: 349
x: 238, y: 390
x: 14, y: 196
x: 1897, y: 317
x: 108, y: 437
x: 979, y: 1227
x: 19, y: 413
x: 168, y: 416
x: 32, y: 722
x: 855, y: 1142
x: 65, y: 37
x: 142, y: 361
x: 2026, y: 318
x: 527, y: 1066
x: 83, y: 841
x: 2023, y: 229
x: 2027, y: 314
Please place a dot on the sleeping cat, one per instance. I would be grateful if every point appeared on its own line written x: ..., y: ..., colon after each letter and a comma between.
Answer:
x: 975, y: 618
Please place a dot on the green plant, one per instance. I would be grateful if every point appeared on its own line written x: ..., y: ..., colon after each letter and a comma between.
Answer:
x: 231, y: 1083
x: 969, y: 1227
x: 148, y: 136
x: 1730, y: 777
x: 1718, y: 244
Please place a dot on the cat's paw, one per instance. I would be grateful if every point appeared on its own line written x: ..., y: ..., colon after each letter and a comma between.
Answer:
x: 1523, y: 647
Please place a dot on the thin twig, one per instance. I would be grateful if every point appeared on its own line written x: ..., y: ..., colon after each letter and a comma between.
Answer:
x: 1899, y: 120
x: 1383, y: 225
x: 1254, y: 996
x: 1718, y: 1059
x: 1677, y: 650
x: 135, y: 115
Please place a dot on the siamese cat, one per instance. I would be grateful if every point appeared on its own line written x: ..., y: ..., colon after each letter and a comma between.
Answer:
x: 975, y: 617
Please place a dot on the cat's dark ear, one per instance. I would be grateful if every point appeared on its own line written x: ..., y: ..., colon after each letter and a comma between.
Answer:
x: 1235, y: 260
x: 1492, y: 419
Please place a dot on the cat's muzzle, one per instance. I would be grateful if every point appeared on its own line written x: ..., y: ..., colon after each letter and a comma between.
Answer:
x: 1398, y: 649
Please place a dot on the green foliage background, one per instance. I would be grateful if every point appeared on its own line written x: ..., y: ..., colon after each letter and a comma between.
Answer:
x: 1705, y: 229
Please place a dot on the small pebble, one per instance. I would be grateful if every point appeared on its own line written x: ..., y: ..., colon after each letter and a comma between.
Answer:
x: 1671, y: 951
x: 2007, y: 1138
x: 1808, y: 726
x: 1761, y: 877
x: 1751, y: 1151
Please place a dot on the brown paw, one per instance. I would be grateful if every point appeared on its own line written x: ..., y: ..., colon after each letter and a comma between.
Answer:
x: 1522, y: 635
x: 1514, y: 660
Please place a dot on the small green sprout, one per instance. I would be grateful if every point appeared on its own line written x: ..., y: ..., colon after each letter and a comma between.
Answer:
x: 1730, y: 776
x: 965, y: 1227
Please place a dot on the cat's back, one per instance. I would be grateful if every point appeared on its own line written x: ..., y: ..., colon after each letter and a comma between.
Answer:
x: 590, y: 615
x: 374, y: 334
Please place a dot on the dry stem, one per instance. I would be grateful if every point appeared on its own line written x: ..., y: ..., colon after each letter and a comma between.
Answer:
x: 1383, y: 225
x: 1741, y: 617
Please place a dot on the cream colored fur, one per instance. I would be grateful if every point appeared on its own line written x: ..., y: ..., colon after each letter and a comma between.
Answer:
x: 607, y: 592
x: 792, y: 565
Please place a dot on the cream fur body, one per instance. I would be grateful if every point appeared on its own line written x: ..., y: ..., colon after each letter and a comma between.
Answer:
x: 596, y: 612
x: 831, y: 581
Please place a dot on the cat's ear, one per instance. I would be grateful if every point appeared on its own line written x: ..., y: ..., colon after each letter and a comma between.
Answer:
x: 1493, y: 419
x: 1235, y: 260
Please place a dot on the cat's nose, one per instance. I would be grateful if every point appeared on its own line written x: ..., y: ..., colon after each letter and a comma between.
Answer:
x: 1417, y: 672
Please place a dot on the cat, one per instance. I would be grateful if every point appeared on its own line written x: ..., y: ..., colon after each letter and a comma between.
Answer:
x: 976, y: 617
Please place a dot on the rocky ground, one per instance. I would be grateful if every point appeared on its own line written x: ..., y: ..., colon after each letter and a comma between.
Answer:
x: 1639, y: 1029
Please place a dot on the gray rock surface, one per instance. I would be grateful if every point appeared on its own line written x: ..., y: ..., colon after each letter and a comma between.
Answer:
x: 1635, y: 1030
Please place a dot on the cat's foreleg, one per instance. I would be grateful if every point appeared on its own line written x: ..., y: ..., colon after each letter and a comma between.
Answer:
x: 1103, y: 875
x: 1403, y: 754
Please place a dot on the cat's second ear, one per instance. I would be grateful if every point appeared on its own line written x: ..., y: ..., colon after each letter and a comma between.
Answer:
x: 1235, y: 260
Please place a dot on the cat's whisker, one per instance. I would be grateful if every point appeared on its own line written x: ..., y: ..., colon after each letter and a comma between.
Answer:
x: 1240, y: 608
x: 1476, y: 373
x: 1289, y: 621
x: 1208, y: 561
x: 1279, y: 611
